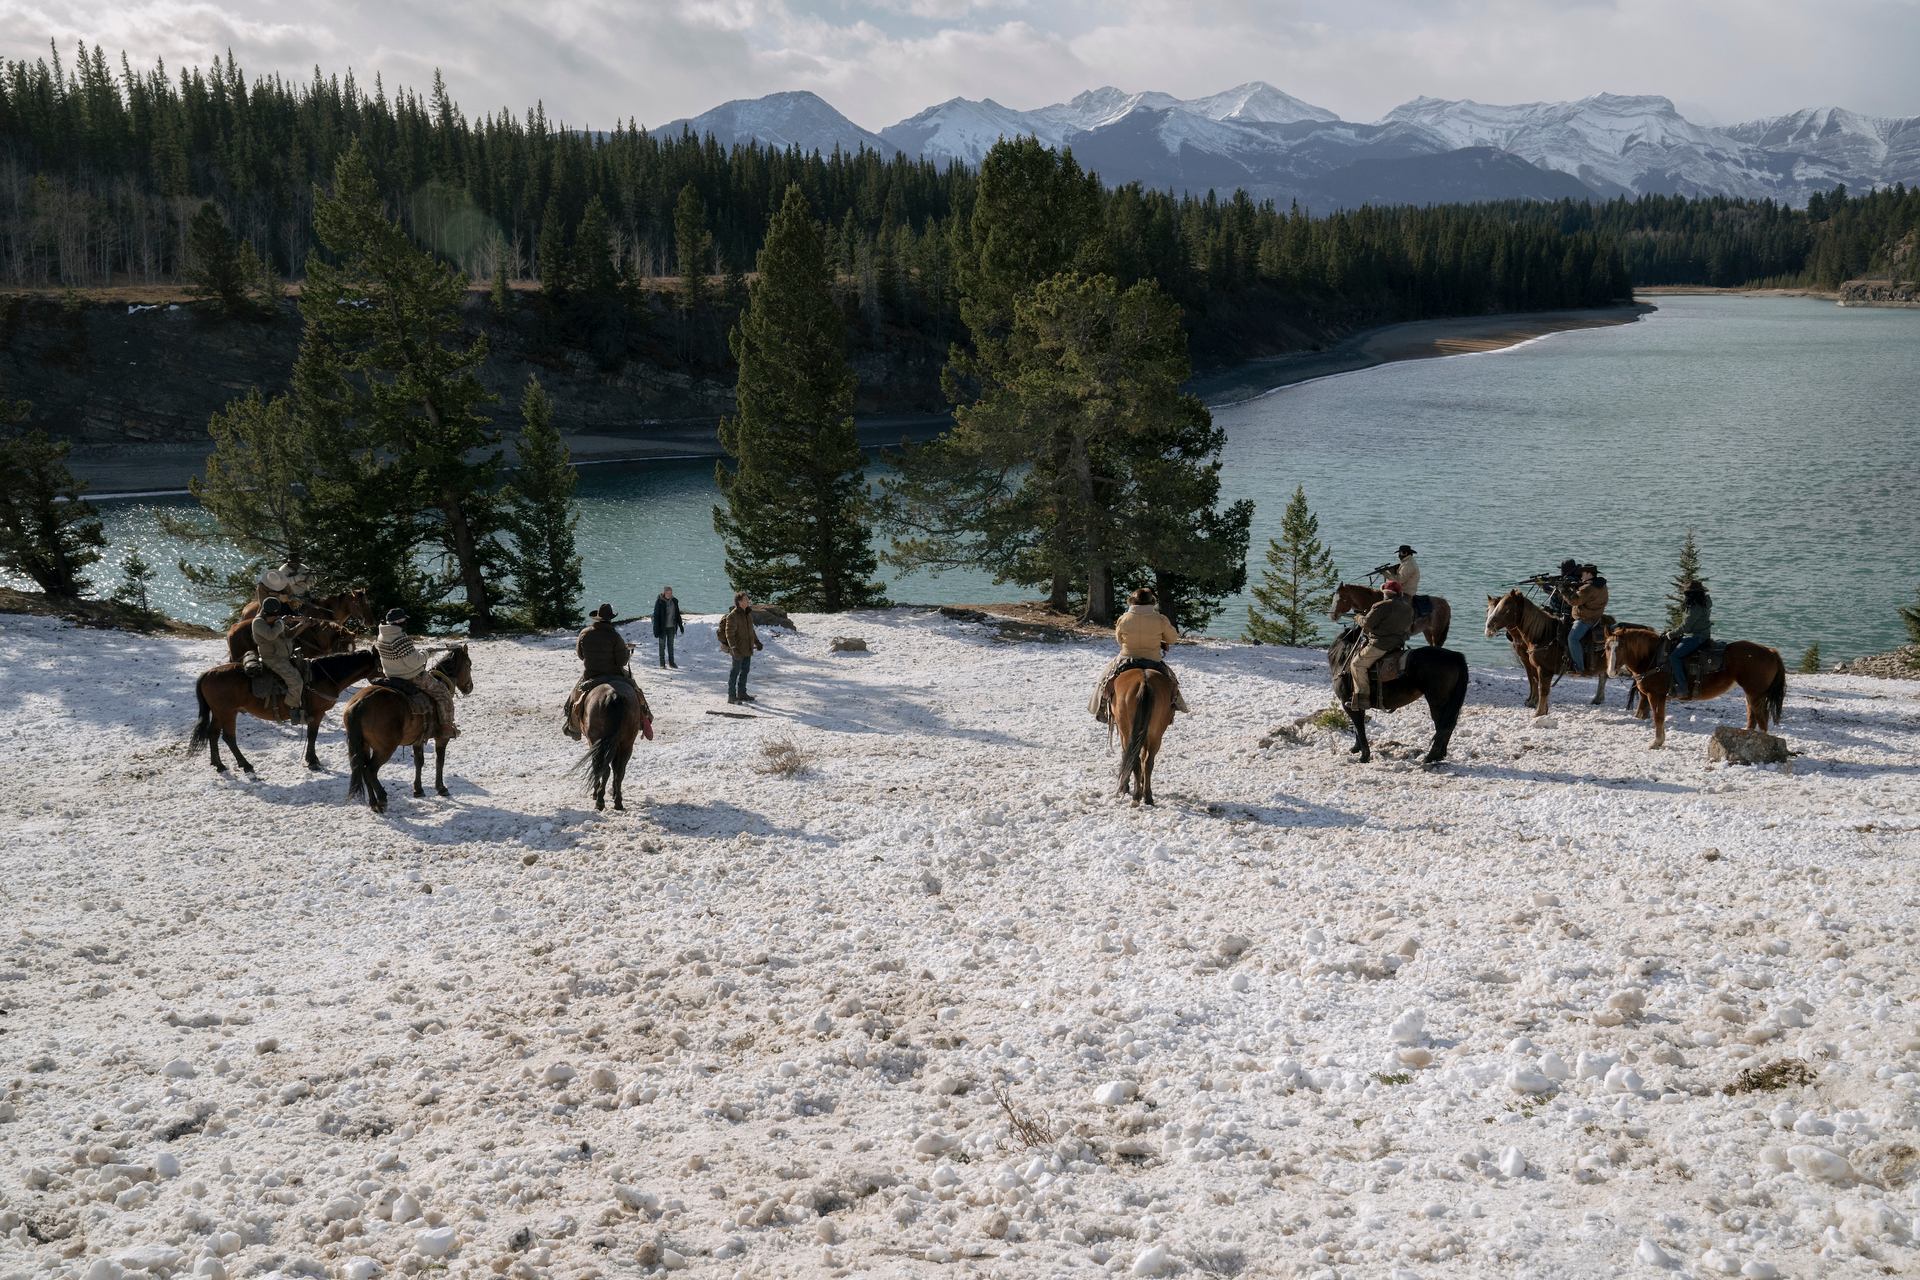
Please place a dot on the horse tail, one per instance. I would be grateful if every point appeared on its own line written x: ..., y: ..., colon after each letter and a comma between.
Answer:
x: 1777, y: 690
x: 1442, y: 623
x: 356, y: 754
x: 203, y: 727
x: 1137, y: 732
x: 1446, y: 715
x: 608, y: 746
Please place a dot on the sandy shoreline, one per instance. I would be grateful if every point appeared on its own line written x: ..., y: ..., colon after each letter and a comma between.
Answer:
x: 127, y: 470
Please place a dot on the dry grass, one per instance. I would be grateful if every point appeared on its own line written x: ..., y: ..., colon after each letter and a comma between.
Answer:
x: 1029, y: 1128
x: 784, y: 758
x: 1788, y: 1073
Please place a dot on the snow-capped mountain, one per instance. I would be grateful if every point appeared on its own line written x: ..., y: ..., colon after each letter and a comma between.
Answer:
x: 1274, y: 146
x: 798, y: 119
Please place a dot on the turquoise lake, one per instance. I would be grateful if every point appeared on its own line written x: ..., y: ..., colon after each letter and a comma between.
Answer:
x: 1784, y: 431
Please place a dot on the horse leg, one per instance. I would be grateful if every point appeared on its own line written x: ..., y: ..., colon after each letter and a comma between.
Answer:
x: 227, y: 726
x: 1659, y: 711
x: 1600, y: 690
x: 440, y: 767
x: 313, y: 736
x: 620, y: 776
x: 1146, y: 772
x: 1540, y: 708
x: 1361, y: 746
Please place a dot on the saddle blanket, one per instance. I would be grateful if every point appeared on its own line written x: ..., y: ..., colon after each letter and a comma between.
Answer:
x: 423, y: 717
x: 267, y: 686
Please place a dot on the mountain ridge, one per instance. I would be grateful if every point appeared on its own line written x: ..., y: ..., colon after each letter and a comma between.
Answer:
x: 1256, y: 137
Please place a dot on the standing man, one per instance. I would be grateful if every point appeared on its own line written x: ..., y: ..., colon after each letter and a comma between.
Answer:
x: 1589, y: 608
x: 667, y: 623
x: 603, y: 652
x: 1384, y: 629
x: 274, y: 628
x: 1406, y: 571
x: 740, y: 640
x: 401, y: 659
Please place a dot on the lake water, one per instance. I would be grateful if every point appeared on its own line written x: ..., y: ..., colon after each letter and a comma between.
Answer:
x: 1784, y: 431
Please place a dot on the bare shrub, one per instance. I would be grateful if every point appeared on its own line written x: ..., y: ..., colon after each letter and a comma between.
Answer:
x: 1030, y: 1128
x: 784, y: 758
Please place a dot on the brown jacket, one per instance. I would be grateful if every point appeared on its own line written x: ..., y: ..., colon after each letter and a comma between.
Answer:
x: 602, y: 651
x: 737, y: 635
x: 1388, y: 624
x: 1142, y: 630
x: 1590, y: 602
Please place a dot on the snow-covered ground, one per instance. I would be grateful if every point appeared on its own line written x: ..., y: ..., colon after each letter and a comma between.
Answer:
x: 1307, y: 1018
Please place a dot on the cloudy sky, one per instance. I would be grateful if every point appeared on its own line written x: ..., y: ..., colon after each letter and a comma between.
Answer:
x: 593, y: 62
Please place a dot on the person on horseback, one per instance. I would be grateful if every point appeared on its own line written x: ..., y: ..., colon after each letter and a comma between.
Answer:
x: 274, y: 630
x: 603, y: 654
x: 1560, y: 587
x: 1695, y: 629
x: 1406, y: 571
x: 402, y: 659
x: 1144, y: 635
x: 1589, y: 605
x: 1385, y: 629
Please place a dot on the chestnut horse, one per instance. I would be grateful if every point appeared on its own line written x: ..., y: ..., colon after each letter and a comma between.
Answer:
x: 610, y: 717
x: 1436, y: 674
x: 314, y: 639
x: 1535, y: 636
x: 227, y: 690
x: 1143, y: 707
x: 1352, y: 597
x: 380, y: 721
x: 1758, y: 670
x: 352, y: 609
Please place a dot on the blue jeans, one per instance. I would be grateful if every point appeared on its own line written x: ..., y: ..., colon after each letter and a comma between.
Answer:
x: 666, y: 648
x: 737, y: 678
x: 1577, y: 645
x: 1677, y: 661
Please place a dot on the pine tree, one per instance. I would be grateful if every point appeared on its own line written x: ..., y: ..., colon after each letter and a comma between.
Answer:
x: 593, y: 272
x: 555, y: 261
x: 546, y: 564
x: 405, y: 404
x: 226, y: 272
x: 1687, y: 571
x: 501, y: 294
x: 135, y: 590
x: 795, y: 521
x: 1910, y: 617
x: 48, y: 533
x: 692, y: 247
x: 255, y: 482
x: 1810, y: 660
x: 1296, y: 590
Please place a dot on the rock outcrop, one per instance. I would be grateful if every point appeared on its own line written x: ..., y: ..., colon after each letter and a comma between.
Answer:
x: 1746, y: 746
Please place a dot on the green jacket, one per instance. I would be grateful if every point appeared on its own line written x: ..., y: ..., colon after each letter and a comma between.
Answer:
x: 1696, y: 621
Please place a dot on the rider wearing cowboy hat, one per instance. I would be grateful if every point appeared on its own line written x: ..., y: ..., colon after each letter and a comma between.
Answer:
x: 1384, y: 628
x: 274, y: 628
x: 1589, y: 606
x: 401, y: 659
x: 602, y: 653
x: 1405, y: 571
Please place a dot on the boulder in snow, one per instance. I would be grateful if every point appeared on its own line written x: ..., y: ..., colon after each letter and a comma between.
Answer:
x: 1745, y: 746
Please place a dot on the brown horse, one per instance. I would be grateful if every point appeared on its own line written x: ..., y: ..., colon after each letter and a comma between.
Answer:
x: 380, y: 721
x: 352, y: 609
x: 1143, y: 704
x: 1535, y: 636
x: 227, y: 690
x: 1758, y: 670
x: 610, y: 717
x: 1354, y: 598
x: 314, y: 639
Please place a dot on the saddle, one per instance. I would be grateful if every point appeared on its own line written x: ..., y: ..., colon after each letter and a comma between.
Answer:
x: 423, y: 717
x: 267, y: 686
x: 627, y: 687
x: 1387, y: 668
x: 1701, y: 663
x: 1595, y: 647
x: 1422, y: 606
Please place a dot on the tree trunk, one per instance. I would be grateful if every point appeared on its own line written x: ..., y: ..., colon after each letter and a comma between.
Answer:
x: 1092, y: 545
x: 480, y: 624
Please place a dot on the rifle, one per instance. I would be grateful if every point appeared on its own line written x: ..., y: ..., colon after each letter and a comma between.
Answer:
x: 1387, y: 570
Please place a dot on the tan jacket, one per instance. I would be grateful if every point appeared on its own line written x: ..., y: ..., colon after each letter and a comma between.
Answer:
x: 737, y: 635
x: 1388, y: 624
x: 1407, y: 574
x: 1142, y: 631
x: 1590, y: 603
x: 274, y: 638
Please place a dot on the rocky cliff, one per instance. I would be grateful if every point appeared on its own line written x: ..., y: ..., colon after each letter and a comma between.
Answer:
x: 1897, y: 286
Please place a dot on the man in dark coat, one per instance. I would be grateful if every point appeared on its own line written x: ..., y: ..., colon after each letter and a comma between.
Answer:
x: 1385, y: 628
x: 667, y: 624
x: 602, y: 653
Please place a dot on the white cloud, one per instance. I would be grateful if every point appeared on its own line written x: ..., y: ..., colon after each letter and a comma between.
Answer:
x: 598, y: 61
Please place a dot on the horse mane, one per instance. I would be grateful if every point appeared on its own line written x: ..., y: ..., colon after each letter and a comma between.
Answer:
x: 335, y: 665
x: 1535, y: 623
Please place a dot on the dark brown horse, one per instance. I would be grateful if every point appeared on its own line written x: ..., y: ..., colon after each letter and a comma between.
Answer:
x: 1430, y: 672
x: 352, y: 609
x: 610, y: 717
x: 1758, y: 670
x: 380, y: 721
x: 1535, y: 636
x: 314, y: 639
x: 227, y: 690
x: 1354, y: 598
x: 1142, y: 709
